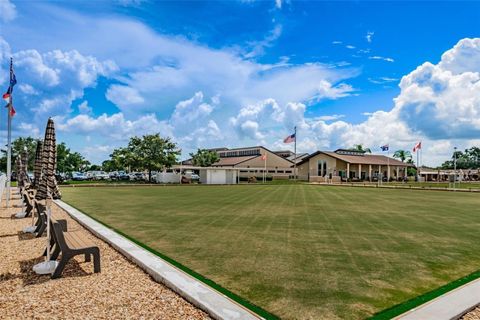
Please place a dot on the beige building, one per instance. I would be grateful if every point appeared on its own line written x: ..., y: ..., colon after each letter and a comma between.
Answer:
x: 325, y: 166
x: 250, y: 162
x: 430, y: 174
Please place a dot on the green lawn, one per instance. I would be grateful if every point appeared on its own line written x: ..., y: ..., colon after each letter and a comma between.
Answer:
x: 302, y: 251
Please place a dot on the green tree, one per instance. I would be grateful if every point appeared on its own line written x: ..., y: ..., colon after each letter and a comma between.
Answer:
x: 68, y: 161
x: 18, y: 145
x: 94, y: 167
x: 109, y: 166
x: 152, y: 152
x: 124, y: 159
x: 403, y: 155
x: 360, y: 148
x: 468, y: 159
x: 204, y: 158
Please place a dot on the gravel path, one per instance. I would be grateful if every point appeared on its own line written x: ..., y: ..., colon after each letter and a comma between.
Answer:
x: 472, y: 315
x: 120, y: 291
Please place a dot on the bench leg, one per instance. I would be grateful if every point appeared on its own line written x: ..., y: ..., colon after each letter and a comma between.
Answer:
x: 96, y: 260
x: 29, y: 209
x: 60, y: 267
x: 41, y: 229
x: 55, y: 253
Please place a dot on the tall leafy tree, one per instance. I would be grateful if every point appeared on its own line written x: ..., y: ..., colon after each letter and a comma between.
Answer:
x: 403, y: 155
x: 152, y: 152
x: 204, y: 158
x: 124, y: 159
x: 68, y: 161
x: 18, y: 145
x: 468, y: 159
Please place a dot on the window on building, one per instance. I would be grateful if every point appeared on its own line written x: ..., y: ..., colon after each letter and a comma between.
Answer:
x: 322, y: 168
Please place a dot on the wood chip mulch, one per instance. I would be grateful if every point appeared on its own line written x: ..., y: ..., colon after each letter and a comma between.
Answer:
x: 120, y: 291
x: 472, y: 315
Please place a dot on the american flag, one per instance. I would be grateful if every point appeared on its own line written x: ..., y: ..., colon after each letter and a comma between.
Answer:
x: 289, y: 139
x: 385, y: 147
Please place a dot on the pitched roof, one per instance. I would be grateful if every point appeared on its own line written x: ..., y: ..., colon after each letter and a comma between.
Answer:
x: 373, y: 159
x: 232, y: 161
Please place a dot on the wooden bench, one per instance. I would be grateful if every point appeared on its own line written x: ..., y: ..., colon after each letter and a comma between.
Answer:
x: 70, y: 244
x: 41, y: 223
x: 29, y: 202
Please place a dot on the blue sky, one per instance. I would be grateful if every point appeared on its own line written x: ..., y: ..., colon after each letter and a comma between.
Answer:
x: 239, y: 73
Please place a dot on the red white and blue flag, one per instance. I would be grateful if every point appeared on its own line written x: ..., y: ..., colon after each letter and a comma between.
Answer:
x: 289, y: 139
x: 7, y: 96
x: 417, y: 146
x: 385, y: 147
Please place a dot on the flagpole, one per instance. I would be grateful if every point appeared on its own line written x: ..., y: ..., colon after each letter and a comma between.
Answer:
x: 418, y: 168
x: 295, y: 156
x: 265, y: 168
x: 388, y: 163
x: 9, y: 151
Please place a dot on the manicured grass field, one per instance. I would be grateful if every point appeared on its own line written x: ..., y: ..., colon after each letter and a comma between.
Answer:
x: 302, y: 251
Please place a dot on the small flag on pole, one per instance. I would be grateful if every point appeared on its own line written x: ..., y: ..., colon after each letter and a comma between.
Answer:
x: 385, y: 147
x: 7, y: 96
x: 289, y: 139
x: 264, y: 157
x: 417, y: 146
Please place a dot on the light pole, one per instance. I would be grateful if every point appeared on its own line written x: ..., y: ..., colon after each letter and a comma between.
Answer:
x: 454, y: 167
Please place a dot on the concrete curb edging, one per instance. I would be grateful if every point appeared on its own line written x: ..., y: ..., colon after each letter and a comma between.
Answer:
x: 451, y: 305
x: 217, y: 305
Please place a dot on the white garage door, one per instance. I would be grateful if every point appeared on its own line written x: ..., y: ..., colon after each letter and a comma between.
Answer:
x: 218, y: 177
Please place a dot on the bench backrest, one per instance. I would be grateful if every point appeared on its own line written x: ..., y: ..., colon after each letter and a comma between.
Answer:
x: 58, y: 236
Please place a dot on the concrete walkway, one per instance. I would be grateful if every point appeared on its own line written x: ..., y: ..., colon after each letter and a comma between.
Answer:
x: 217, y: 305
x: 451, y: 305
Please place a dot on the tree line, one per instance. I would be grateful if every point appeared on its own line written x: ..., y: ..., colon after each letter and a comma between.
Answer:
x: 67, y: 161
x: 155, y: 153
x: 468, y: 159
x: 149, y: 152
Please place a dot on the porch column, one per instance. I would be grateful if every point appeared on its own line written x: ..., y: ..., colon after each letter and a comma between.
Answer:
x: 359, y: 171
x: 405, y: 172
x: 370, y: 172
x: 380, y: 173
x: 398, y: 173
x: 388, y: 172
x: 348, y: 170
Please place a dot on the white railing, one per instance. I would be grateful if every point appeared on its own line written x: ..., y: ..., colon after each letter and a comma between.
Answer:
x: 3, y: 182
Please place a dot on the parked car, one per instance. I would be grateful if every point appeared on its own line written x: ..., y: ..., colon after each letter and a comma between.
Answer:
x: 195, y: 176
x: 137, y: 176
x: 79, y: 176
x: 89, y: 175
x: 122, y: 175
x: 100, y: 175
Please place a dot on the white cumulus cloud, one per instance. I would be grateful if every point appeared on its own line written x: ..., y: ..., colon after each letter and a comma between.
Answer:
x: 8, y: 11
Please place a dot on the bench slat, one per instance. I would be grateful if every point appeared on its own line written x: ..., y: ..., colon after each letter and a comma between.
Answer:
x: 75, y: 240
